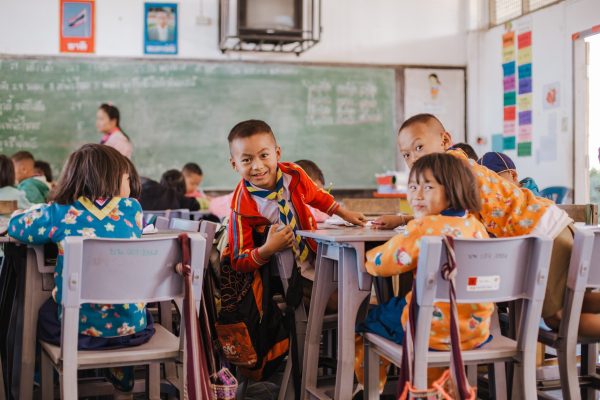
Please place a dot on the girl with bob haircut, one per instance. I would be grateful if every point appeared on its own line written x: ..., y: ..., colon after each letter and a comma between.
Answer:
x: 443, y: 195
x: 91, y: 200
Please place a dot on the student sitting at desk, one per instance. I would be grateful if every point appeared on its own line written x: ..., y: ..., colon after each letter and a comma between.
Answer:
x: 192, y: 173
x: 24, y: 164
x: 272, y: 193
x: 444, y: 198
x: 502, y: 164
x: 92, y: 200
x: 314, y: 173
x: 169, y: 194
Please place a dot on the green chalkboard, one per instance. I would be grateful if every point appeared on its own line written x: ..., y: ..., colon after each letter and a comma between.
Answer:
x: 341, y: 117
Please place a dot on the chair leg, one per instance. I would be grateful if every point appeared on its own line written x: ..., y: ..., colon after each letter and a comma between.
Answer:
x: 472, y: 375
x: 567, y: 366
x: 500, y: 387
x: 68, y: 382
x: 371, y: 372
x: 154, y: 378
x: 525, y: 380
x: 287, y: 388
x: 47, y: 377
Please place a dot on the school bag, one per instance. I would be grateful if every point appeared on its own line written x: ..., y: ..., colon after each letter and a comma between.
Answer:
x: 253, y: 332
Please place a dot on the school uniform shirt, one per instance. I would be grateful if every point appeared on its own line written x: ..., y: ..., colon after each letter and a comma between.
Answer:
x: 508, y: 210
x: 119, y: 141
x: 401, y: 254
x: 111, y: 218
x: 35, y: 190
x: 249, y: 213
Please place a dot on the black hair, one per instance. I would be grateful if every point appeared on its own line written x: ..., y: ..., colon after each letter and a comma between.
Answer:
x: 113, y: 114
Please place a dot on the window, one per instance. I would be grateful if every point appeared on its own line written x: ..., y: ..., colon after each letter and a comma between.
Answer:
x: 505, y: 10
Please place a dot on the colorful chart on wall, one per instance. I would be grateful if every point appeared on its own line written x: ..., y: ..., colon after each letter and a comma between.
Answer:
x: 440, y: 92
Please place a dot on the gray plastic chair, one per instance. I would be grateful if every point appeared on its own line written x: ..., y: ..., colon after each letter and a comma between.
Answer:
x: 176, y: 213
x: 565, y: 340
x: 102, y: 271
x: 521, y: 268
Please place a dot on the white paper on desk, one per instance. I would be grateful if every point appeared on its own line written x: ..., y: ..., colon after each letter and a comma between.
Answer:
x: 337, y: 220
x: 148, y: 229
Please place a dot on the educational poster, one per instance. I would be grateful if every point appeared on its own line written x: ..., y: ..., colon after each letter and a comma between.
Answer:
x: 525, y: 102
x: 160, y: 28
x: 77, y: 26
x: 510, y: 95
x: 440, y: 92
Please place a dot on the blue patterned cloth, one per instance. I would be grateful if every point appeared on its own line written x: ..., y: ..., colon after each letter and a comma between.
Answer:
x: 110, y: 218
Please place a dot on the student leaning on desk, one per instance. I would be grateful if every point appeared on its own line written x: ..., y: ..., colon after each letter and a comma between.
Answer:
x: 92, y: 200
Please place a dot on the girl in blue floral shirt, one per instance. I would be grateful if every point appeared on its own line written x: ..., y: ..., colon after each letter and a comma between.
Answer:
x: 92, y: 200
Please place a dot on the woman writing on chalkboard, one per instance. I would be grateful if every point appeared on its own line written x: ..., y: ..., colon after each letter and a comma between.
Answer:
x: 108, y: 122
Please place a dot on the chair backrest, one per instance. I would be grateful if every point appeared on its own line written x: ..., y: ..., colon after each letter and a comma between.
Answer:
x: 187, y: 225
x: 489, y: 270
x: 102, y: 271
x: 161, y: 223
x: 594, y: 274
x: 209, y: 230
x: 8, y: 206
x: 557, y: 194
x: 586, y: 213
x: 183, y: 213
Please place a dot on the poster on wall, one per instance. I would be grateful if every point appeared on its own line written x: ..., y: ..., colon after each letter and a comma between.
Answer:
x: 509, y: 77
x: 77, y: 26
x: 440, y: 92
x: 524, y: 101
x: 160, y: 28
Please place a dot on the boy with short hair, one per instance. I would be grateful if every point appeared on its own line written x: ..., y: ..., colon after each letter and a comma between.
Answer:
x: 35, y: 190
x: 504, y: 166
x: 272, y: 193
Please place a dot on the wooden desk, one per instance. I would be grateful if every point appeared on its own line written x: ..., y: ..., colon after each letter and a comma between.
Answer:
x: 339, y: 264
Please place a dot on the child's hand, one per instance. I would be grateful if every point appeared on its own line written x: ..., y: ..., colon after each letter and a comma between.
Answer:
x: 389, y: 221
x: 279, y: 237
x: 353, y: 217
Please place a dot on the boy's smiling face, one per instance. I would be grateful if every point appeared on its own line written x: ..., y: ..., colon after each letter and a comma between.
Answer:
x: 255, y: 158
x: 420, y: 139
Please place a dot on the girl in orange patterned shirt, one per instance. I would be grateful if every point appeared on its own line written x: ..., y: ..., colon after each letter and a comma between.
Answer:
x: 442, y: 194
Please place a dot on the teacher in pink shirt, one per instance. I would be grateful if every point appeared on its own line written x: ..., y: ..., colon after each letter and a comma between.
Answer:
x: 108, y: 123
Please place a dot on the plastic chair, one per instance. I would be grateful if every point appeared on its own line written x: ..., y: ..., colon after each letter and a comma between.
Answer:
x: 521, y: 266
x: 557, y: 194
x: 101, y: 271
x: 565, y: 340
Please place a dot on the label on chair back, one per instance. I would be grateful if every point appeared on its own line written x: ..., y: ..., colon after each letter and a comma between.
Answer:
x: 483, y: 283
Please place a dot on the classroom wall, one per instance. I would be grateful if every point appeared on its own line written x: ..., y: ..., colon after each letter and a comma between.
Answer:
x: 354, y: 31
x: 552, y: 28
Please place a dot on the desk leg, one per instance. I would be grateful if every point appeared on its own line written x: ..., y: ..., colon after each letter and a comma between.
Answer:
x: 323, y: 287
x: 350, y: 299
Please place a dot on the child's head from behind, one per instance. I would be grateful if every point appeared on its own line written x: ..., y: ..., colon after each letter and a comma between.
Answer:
x: 24, y: 163
x: 440, y: 181
x: 173, y: 179
x: 501, y: 164
x: 192, y: 173
x: 254, y: 153
x: 7, y: 171
x: 313, y: 171
x: 42, y: 168
x: 94, y: 171
x: 420, y: 135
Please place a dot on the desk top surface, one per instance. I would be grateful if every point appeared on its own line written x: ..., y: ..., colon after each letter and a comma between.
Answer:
x: 349, y: 234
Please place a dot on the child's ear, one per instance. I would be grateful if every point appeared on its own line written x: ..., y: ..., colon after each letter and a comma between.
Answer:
x: 232, y: 163
x: 278, y: 152
x: 446, y: 139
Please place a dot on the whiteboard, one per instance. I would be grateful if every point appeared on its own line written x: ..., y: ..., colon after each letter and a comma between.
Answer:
x: 440, y: 92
